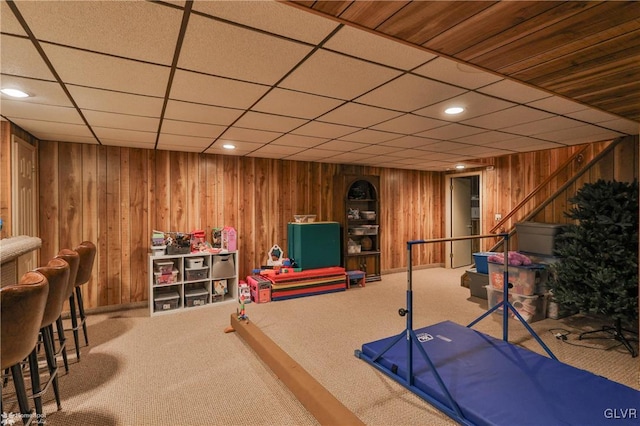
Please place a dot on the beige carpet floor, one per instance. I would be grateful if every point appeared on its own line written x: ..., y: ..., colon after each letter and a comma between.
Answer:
x: 183, y: 369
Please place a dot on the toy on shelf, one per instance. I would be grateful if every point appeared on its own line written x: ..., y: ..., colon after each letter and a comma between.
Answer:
x: 275, y: 256
x: 229, y: 241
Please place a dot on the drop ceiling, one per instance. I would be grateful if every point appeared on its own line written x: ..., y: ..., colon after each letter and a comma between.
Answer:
x: 341, y: 82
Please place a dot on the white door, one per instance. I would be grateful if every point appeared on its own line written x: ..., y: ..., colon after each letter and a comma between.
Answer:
x: 25, y: 213
x: 461, y: 221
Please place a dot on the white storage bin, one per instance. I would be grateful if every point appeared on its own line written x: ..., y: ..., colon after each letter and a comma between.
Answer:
x: 194, y: 262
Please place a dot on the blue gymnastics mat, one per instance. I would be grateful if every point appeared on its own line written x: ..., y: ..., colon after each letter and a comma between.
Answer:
x: 496, y: 383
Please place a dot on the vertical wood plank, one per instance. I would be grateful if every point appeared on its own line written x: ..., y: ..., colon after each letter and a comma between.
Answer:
x: 103, y: 228
x: 125, y: 227
x: 90, y: 219
x: 48, y: 199
x: 115, y: 239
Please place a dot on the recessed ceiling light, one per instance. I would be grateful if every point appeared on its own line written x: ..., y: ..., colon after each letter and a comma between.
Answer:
x: 228, y: 146
x: 460, y: 166
x: 454, y: 110
x: 15, y: 93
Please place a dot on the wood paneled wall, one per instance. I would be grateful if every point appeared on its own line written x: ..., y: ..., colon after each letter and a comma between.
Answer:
x: 117, y: 196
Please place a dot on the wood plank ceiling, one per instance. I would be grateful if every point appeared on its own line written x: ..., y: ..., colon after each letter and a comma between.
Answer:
x: 588, y: 51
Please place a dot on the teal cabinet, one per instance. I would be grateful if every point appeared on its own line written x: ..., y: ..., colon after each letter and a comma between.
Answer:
x: 314, y: 245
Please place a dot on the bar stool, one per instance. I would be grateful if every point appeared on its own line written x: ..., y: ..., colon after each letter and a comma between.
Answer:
x: 73, y: 259
x: 87, y: 252
x: 57, y: 274
x: 21, y: 312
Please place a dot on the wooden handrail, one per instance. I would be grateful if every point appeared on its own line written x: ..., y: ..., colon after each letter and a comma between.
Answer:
x: 563, y: 187
x: 537, y: 189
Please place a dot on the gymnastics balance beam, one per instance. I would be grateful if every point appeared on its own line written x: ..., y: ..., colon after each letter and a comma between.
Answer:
x: 313, y: 396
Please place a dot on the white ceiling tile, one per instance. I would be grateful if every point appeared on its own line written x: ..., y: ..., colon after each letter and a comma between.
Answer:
x: 279, y: 150
x: 557, y: 105
x: 18, y: 109
x: 124, y: 135
x: 248, y: 135
x: 19, y: 57
x: 276, y: 123
x: 113, y: 27
x: 370, y: 136
x: 190, y: 86
x: 128, y: 143
x: 8, y: 21
x: 272, y: 17
x: 338, y: 76
x: 107, y: 72
x: 242, y: 147
x: 457, y: 73
x: 479, y: 151
x: 622, y: 125
x: 475, y: 104
x: 544, y: 125
x: 442, y: 147
x: 409, y: 93
x: 123, y: 103
x: 185, y: 128
x: 313, y: 154
x: 324, y: 130
x: 376, y: 48
x: 514, y: 91
x: 408, y: 142
x: 508, y: 118
x: 342, y: 146
x: 582, y: 134
x: 376, y: 149
x: 295, y: 104
x: 450, y: 131
x: 44, y: 137
x: 346, y: 157
x: 524, y: 144
x: 198, y: 113
x: 238, y: 52
x: 442, y: 156
x: 358, y: 115
x: 409, y: 124
x: 486, y: 138
x: 38, y: 126
x: 121, y: 121
x: 299, y: 141
x: 592, y: 116
x: 41, y: 92
x: 171, y: 142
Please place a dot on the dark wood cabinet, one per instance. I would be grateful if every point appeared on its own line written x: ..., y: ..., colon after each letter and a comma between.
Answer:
x: 359, y: 215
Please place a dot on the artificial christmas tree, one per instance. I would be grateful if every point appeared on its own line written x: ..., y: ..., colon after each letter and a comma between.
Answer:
x: 598, y: 273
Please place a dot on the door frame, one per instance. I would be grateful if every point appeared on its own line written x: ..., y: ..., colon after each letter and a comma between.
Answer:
x: 449, y: 208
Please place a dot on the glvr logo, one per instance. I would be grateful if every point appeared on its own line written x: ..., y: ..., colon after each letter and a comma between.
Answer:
x: 424, y: 337
x: 620, y: 413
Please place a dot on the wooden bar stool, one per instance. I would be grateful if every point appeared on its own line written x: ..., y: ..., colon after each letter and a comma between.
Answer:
x: 73, y: 259
x: 87, y: 252
x: 21, y: 312
x: 57, y: 274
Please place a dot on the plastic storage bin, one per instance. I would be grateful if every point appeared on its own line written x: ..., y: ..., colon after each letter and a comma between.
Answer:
x: 194, y: 274
x: 539, y: 238
x: 166, y: 301
x: 195, y: 297
x: 477, y: 282
x: 481, y: 261
x: 531, y: 308
x: 526, y: 280
x: 166, y: 278
x: 163, y: 266
x: 194, y: 262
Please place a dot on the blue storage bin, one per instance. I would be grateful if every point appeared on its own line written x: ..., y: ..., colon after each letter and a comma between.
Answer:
x: 481, y: 260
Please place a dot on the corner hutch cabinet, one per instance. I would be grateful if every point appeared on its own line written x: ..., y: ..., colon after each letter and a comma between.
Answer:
x: 359, y: 216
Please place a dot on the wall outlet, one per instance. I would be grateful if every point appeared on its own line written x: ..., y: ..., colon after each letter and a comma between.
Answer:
x: 498, y: 217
